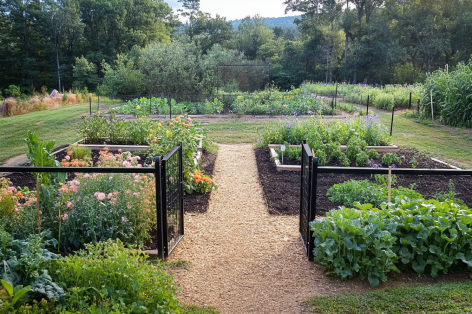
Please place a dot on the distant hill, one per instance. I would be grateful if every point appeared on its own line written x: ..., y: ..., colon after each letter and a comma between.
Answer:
x: 285, y: 22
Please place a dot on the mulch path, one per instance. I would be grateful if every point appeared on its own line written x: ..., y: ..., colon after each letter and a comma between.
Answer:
x: 282, y: 188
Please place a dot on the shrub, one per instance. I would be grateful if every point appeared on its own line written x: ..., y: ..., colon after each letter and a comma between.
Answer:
x: 420, y: 235
x: 110, y: 277
x: 79, y: 152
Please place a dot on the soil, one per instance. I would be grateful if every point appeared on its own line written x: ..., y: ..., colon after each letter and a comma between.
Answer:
x: 406, y: 155
x: 282, y: 188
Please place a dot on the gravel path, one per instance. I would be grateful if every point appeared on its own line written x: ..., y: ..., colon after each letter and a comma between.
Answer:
x: 242, y: 259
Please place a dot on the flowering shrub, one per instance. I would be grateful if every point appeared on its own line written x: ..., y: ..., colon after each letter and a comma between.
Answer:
x: 99, y: 207
x: 81, y: 159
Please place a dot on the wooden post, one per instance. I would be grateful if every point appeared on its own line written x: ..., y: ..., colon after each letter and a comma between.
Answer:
x: 391, y: 125
x: 37, y: 206
x: 432, y: 109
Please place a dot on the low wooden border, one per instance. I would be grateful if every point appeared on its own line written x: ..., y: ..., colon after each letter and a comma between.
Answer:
x: 380, y: 149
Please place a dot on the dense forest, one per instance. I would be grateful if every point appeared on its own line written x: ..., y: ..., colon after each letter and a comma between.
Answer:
x: 137, y: 46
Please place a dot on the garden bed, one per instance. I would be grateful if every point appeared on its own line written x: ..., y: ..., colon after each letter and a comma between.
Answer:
x: 282, y: 189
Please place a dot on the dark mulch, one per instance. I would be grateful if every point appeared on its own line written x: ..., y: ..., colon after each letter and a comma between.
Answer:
x: 405, y: 154
x: 282, y: 188
x: 198, y: 202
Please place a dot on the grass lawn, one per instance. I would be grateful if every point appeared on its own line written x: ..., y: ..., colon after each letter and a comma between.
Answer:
x: 235, y: 131
x: 437, y: 298
x: 59, y: 124
x: 446, y: 143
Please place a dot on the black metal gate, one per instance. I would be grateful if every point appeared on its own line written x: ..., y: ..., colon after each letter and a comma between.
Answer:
x: 307, y: 199
x: 170, y: 215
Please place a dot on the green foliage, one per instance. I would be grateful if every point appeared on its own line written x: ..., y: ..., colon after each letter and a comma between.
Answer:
x: 13, y: 294
x: 322, y: 158
x: 373, y: 154
x: 362, y: 159
x: 108, y: 272
x: 352, y: 192
x: 84, y: 74
x: 451, y: 95
x: 417, y: 235
x: 13, y: 91
x: 79, y: 152
x: 123, y: 78
x: 354, y: 147
x: 40, y: 155
x: 389, y: 159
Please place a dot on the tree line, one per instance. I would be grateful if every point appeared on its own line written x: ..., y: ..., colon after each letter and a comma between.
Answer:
x: 137, y: 46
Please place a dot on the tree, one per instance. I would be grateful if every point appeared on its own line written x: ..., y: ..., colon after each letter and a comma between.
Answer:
x: 252, y: 33
x: 207, y: 31
x: 84, y: 74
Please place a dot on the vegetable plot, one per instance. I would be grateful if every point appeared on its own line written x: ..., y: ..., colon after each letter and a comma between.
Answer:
x: 424, y: 236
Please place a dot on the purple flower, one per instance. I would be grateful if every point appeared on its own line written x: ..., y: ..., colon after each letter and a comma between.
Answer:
x: 376, y: 166
x: 394, y: 166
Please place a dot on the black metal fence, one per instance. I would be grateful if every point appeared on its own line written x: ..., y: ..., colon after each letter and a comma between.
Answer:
x: 310, y: 171
x: 307, y: 199
x: 171, y: 200
x: 169, y: 193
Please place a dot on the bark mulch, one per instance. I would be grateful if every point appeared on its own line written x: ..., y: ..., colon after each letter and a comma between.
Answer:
x: 282, y: 188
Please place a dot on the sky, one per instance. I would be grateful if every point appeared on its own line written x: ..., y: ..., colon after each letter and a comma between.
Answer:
x: 238, y: 9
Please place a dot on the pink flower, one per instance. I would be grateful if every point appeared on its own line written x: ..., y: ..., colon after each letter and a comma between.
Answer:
x: 86, y: 175
x: 96, y: 193
x: 126, y: 164
x: 76, y: 182
x: 110, y: 178
x: 110, y: 195
x: 67, y: 157
x: 136, y: 177
x: 189, y: 119
x: 170, y: 179
x: 139, y: 166
x: 65, y: 216
x: 128, y: 158
x: 101, y: 196
x: 138, y: 158
x: 74, y: 188
x: 135, y: 194
x: 68, y: 205
x: 128, y: 192
x: 119, y: 150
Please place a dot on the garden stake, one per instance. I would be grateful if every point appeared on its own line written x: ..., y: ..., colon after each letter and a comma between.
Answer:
x: 410, y: 101
x: 389, y: 183
x: 418, y: 105
x: 391, y: 125
x: 90, y: 103
x: 432, y: 109
x: 37, y: 205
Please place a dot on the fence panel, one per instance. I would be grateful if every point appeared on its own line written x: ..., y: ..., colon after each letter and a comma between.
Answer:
x: 172, y: 199
x: 307, y: 199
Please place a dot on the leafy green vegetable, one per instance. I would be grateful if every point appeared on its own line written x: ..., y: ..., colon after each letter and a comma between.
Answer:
x: 425, y: 236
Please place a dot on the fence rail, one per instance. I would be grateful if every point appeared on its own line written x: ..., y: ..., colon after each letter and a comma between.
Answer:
x: 165, y: 199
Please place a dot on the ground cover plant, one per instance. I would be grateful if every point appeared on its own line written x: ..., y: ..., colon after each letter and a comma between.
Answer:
x: 325, y: 137
x: 423, y: 236
x: 385, y: 97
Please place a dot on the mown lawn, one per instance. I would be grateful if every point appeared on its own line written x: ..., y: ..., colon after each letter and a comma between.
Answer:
x: 59, y: 124
x: 450, y: 144
x: 437, y: 298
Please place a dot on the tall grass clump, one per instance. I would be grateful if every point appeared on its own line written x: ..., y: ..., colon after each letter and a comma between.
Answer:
x: 451, y: 92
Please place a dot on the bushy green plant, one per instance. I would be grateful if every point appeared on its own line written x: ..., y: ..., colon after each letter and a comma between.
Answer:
x: 373, y: 154
x: 418, y: 235
x: 108, y: 275
x: 354, y: 147
x: 362, y: 159
x: 365, y: 192
x: 40, y: 155
x: 322, y: 158
x: 389, y: 159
